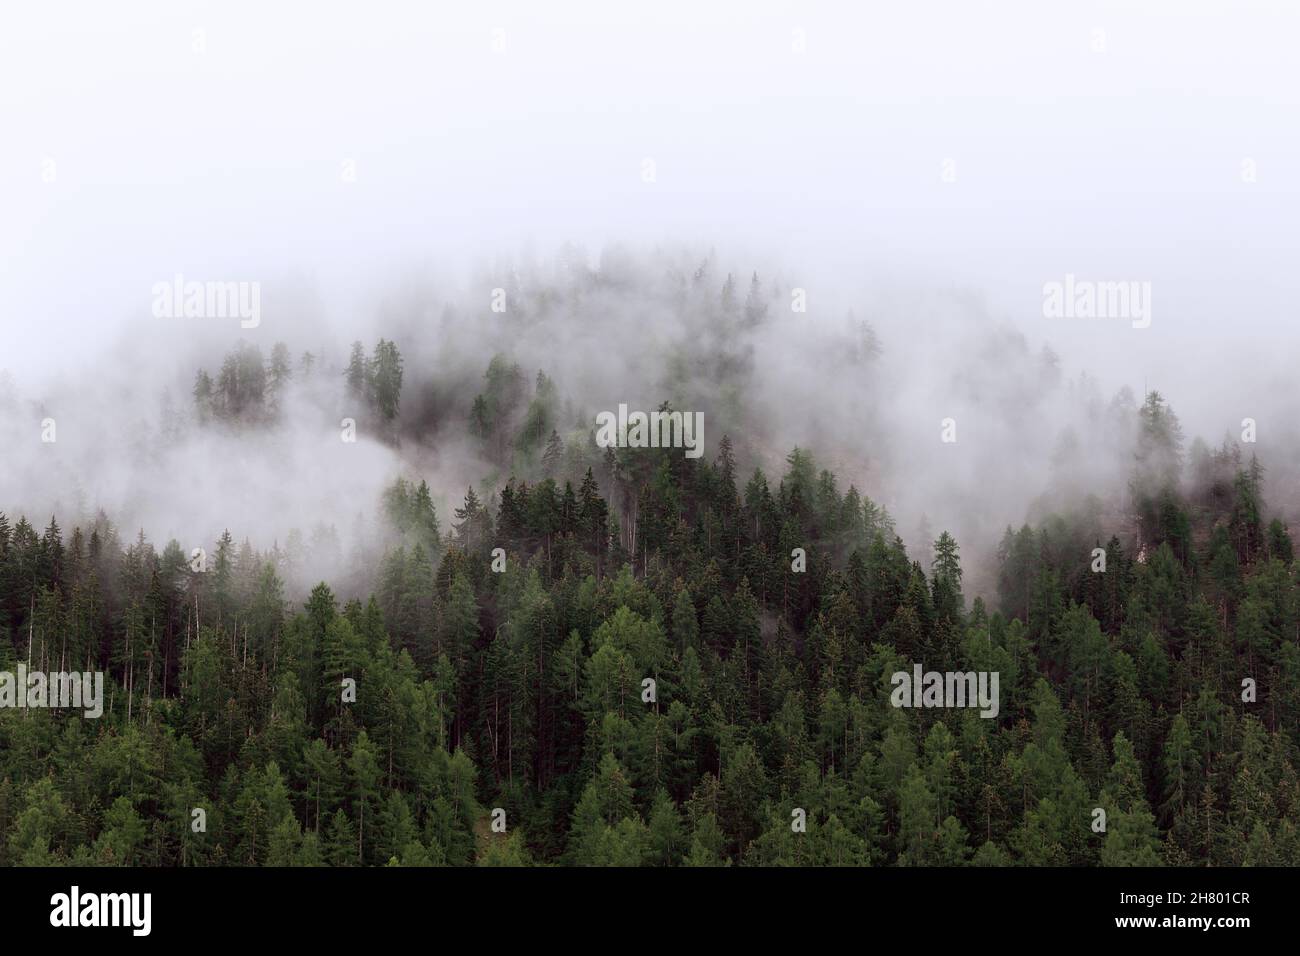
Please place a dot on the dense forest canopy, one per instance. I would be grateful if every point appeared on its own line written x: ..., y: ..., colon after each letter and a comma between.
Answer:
x: 628, y: 656
x: 214, y: 427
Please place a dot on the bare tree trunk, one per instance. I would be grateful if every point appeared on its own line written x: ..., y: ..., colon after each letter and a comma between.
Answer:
x: 31, y: 628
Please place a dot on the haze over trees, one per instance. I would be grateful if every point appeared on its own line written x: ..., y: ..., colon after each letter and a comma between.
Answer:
x: 525, y: 689
x: 505, y: 632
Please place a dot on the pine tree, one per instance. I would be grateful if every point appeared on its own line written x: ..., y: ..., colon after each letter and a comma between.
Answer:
x: 385, y: 374
x: 357, y: 374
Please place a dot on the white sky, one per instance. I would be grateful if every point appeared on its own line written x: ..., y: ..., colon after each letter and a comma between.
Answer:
x: 225, y: 164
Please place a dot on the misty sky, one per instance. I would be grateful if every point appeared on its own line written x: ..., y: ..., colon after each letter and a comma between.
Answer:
x: 1109, y: 142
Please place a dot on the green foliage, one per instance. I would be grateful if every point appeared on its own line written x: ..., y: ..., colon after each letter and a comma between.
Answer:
x: 650, y: 681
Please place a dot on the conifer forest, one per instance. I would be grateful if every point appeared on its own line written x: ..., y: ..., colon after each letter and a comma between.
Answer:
x: 723, y: 435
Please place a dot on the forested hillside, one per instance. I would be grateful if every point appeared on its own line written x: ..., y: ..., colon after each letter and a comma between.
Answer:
x: 515, y: 680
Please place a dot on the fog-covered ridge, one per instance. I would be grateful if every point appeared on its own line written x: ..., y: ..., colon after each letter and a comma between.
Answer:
x: 195, y: 425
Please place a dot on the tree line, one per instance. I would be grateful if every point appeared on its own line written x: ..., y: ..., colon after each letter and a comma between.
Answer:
x: 525, y: 688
